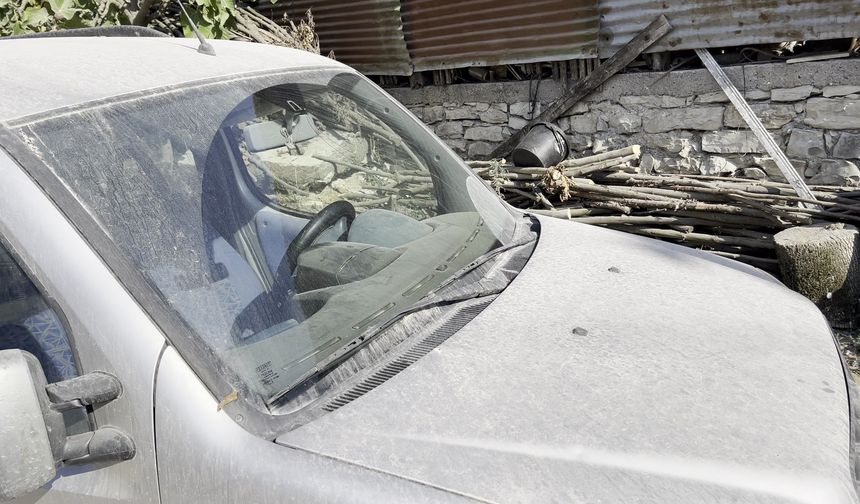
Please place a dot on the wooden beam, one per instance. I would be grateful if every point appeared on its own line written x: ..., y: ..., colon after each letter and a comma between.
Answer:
x: 586, y: 86
x: 756, y: 126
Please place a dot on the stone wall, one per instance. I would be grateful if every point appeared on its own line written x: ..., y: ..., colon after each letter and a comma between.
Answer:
x: 682, y: 119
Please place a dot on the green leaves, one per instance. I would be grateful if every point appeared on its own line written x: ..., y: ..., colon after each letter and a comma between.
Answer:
x: 25, y: 16
x: 63, y: 9
x: 215, y: 18
x: 35, y: 16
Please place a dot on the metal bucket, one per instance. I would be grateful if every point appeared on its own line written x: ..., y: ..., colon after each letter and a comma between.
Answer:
x: 544, y: 145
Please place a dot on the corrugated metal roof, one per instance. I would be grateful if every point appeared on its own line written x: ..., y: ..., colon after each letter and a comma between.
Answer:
x: 720, y: 23
x: 365, y: 34
x: 455, y: 33
x: 375, y: 37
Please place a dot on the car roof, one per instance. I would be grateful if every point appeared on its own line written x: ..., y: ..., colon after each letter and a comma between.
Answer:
x: 38, y: 75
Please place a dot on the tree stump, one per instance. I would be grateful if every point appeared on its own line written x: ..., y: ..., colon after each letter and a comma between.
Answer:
x: 820, y: 261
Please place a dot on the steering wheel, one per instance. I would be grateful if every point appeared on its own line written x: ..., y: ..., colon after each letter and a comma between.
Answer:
x: 326, y: 218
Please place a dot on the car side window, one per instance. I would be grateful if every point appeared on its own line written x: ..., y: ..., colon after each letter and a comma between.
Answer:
x: 28, y: 322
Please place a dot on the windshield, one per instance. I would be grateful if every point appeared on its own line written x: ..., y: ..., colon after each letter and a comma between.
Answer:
x: 285, y: 218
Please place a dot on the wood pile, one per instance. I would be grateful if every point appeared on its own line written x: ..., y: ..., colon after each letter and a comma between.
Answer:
x: 730, y: 217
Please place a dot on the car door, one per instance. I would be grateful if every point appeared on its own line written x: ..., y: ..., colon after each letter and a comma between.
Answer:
x: 104, y: 329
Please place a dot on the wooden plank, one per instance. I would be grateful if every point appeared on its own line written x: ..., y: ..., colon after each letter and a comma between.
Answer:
x: 756, y: 126
x: 818, y: 57
x: 586, y: 86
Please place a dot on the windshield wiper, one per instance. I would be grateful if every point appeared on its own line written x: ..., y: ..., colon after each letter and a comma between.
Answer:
x: 452, y: 291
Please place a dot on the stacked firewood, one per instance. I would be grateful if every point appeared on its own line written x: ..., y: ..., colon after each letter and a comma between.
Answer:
x: 731, y: 217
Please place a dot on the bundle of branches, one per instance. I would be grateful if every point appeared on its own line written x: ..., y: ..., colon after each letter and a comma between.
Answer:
x: 731, y: 217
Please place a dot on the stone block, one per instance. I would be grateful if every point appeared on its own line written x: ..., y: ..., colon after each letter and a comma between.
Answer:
x: 792, y: 94
x: 482, y: 107
x: 579, y: 142
x: 667, y: 101
x: 687, y: 118
x: 479, y: 149
x: 831, y: 91
x: 516, y: 123
x: 678, y: 165
x: 772, y: 115
x: 718, y: 165
x: 524, y: 109
x: 848, y: 146
x: 618, y: 118
x: 675, y: 142
x: 580, y: 107
x: 493, y: 116
x: 584, y: 123
x: 484, y: 133
x: 663, y: 101
x: 805, y: 144
x: 731, y: 142
x: 715, y: 97
x: 433, y: 114
x: 648, y: 163
x: 460, y: 113
x: 754, y: 173
x: 830, y: 139
x: 563, y: 123
x: 768, y: 165
x: 607, y: 141
x: 457, y: 144
x: 450, y: 129
x: 757, y: 94
x: 836, y: 172
x: 833, y: 113
x: 644, y: 101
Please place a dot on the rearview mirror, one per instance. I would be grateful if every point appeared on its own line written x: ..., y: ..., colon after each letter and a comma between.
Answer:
x: 32, y: 434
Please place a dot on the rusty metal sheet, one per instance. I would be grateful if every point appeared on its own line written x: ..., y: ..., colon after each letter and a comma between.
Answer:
x: 455, y: 34
x: 723, y: 23
x: 365, y: 34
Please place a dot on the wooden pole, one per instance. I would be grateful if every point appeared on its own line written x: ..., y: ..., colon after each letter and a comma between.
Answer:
x: 586, y: 86
x: 756, y: 126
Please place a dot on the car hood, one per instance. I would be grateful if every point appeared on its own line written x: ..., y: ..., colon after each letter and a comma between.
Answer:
x: 615, y: 368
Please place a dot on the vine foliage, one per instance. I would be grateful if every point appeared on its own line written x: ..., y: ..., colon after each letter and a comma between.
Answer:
x: 217, y: 19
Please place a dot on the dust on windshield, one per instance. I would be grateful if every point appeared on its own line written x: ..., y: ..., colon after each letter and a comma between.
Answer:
x: 285, y: 218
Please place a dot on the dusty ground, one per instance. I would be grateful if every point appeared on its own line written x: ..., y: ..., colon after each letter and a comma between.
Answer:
x: 849, y: 343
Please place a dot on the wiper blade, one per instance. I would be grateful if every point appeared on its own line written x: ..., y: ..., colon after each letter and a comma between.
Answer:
x: 450, y: 292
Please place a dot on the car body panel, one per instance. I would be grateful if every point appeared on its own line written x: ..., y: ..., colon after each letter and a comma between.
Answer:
x: 204, y: 457
x: 110, y: 333
x: 616, y: 368
x: 97, y: 68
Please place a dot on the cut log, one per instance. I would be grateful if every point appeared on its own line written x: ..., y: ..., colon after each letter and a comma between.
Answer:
x: 820, y: 261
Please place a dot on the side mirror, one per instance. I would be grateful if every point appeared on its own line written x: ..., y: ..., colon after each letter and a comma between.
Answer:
x: 33, y: 441
x: 31, y: 433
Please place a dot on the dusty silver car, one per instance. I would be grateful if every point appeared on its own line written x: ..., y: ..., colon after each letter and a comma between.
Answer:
x: 254, y: 277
